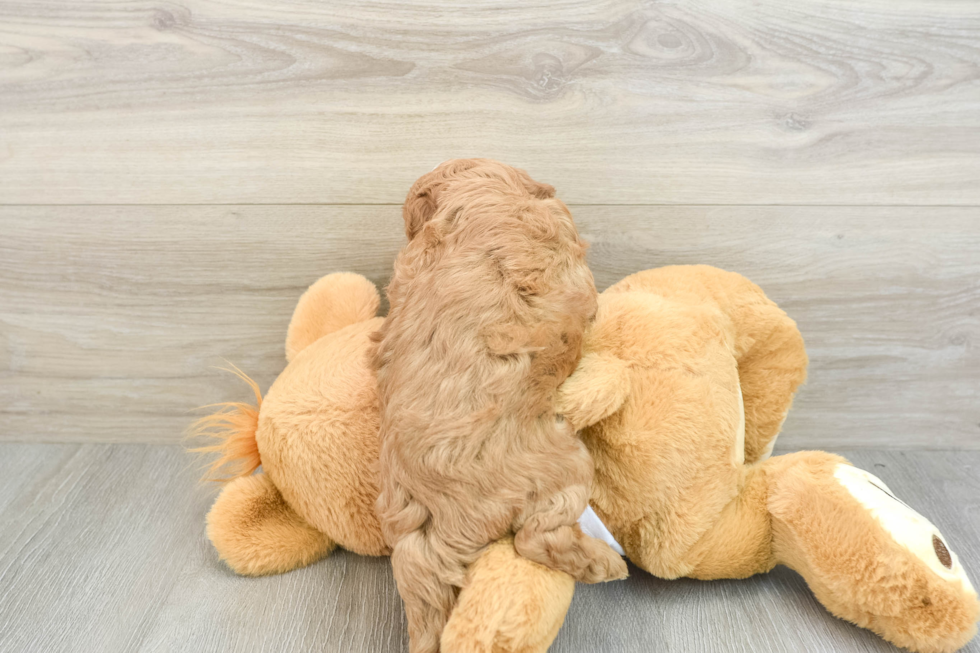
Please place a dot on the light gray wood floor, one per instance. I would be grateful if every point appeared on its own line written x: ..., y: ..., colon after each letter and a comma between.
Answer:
x: 102, y: 549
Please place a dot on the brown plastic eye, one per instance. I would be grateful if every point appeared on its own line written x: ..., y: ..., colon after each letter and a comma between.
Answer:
x: 942, y: 552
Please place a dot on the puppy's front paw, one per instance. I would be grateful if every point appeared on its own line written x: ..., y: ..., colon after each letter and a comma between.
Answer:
x: 606, y: 565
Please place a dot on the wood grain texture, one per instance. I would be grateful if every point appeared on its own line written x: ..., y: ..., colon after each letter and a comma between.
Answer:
x: 113, y: 319
x: 615, y: 101
x: 102, y: 548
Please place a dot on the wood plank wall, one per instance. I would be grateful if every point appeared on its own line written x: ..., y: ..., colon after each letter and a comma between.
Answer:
x: 174, y: 174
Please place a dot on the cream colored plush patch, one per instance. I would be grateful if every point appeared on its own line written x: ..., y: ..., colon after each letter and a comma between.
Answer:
x: 906, y: 526
x: 740, y: 435
x: 767, y: 452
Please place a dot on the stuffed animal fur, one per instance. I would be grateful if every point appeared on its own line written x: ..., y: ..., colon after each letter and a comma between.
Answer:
x: 685, y: 380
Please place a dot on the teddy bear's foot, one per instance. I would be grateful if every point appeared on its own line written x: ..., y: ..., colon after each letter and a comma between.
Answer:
x: 867, y: 556
x: 509, y: 605
x: 256, y: 533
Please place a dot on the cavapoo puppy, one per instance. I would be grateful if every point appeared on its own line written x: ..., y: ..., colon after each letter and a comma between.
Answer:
x: 489, y: 302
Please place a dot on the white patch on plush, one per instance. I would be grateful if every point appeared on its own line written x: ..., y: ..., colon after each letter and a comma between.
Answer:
x: 767, y: 452
x: 906, y: 526
x: 740, y: 434
x: 591, y: 525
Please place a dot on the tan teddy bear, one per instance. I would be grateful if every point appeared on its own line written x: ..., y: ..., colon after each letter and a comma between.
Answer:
x: 685, y: 380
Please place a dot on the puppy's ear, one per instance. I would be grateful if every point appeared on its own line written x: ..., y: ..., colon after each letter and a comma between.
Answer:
x: 417, y: 255
x: 419, y: 207
x: 422, y: 201
x: 535, y: 188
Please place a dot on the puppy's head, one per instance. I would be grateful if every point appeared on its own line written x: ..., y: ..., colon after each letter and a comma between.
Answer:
x: 508, y: 248
x: 424, y: 198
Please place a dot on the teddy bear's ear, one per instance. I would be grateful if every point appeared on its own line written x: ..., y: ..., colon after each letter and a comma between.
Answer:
x: 332, y: 303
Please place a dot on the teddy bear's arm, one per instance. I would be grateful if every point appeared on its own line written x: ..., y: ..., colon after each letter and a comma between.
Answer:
x: 597, y: 389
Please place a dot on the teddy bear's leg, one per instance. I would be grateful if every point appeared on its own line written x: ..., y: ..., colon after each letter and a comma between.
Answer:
x: 769, y: 373
x: 768, y: 346
x: 256, y: 533
x: 771, y: 355
x: 509, y: 605
x: 867, y: 556
x: 330, y: 304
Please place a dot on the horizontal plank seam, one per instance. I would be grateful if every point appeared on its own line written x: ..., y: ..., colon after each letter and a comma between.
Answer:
x: 571, y: 204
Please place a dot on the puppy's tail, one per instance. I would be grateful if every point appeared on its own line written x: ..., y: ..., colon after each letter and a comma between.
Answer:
x: 231, y: 429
